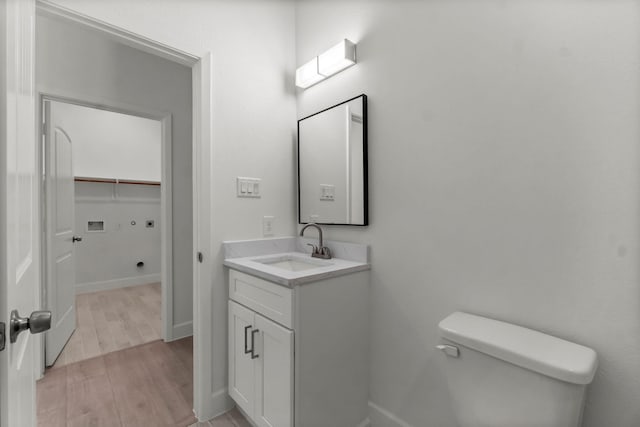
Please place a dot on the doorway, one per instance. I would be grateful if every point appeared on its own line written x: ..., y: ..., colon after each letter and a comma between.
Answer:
x: 198, y: 226
x: 105, y: 250
x: 104, y: 174
x: 111, y: 77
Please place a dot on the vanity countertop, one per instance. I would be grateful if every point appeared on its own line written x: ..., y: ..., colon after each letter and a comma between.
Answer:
x: 265, y: 267
x: 287, y: 262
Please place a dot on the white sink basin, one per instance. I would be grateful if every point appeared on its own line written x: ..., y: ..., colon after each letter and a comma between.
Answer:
x: 292, y: 263
x: 286, y: 261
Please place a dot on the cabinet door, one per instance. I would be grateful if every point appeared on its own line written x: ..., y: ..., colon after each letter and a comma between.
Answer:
x: 274, y: 375
x: 241, y: 367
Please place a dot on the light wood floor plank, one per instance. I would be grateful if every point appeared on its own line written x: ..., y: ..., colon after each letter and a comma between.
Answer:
x: 139, y: 386
x: 145, y: 385
x: 113, y: 320
x: 53, y: 418
x: 134, y: 390
x: 90, y: 402
x: 52, y: 392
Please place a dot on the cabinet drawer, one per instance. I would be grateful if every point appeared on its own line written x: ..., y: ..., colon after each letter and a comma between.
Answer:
x: 272, y: 301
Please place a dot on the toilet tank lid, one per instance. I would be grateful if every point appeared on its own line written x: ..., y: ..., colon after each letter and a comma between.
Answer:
x: 533, y: 350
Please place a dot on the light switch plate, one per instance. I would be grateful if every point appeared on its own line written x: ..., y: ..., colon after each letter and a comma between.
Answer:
x: 248, y: 187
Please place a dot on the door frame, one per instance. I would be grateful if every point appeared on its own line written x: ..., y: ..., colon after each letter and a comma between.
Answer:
x: 166, y: 196
x: 207, y: 402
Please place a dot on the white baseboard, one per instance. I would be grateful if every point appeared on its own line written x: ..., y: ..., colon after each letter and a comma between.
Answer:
x: 83, y: 288
x: 380, y: 417
x: 182, y: 330
x: 365, y: 423
x: 219, y: 404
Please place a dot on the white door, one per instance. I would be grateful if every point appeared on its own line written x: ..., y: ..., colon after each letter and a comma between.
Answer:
x: 241, y: 365
x: 59, y: 233
x: 273, y: 352
x: 19, y: 224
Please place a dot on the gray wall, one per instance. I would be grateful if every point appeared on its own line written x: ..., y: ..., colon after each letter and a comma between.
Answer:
x: 78, y: 63
x: 106, y: 144
x: 109, y: 259
x: 519, y: 119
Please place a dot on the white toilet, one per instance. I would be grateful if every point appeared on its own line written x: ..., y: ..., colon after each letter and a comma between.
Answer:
x: 503, y: 375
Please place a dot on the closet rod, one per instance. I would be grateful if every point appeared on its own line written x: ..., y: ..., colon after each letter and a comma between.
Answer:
x: 115, y: 181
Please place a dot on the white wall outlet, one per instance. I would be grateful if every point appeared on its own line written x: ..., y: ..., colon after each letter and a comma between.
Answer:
x: 267, y: 226
x: 327, y: 192
x: 248, y: 187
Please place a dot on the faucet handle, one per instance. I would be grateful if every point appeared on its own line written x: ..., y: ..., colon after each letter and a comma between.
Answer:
x: 325, y: 251
x: 315, y: 249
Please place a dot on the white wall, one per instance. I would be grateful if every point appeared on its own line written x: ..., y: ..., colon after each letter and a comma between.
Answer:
x: 253, y: 47
x: 112, y: 145
x: 519, y: 120
x: 108, y: 259
x: 77, y: 63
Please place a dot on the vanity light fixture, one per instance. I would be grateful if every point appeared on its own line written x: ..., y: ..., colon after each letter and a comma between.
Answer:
x: 308, y: 75
x: 334, y: 60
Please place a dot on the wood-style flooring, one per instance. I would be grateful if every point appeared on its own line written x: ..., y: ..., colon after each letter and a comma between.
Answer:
x: 112, y: 320
x: 150, y: 385
x: 147, y: 385
x: 110, y: 375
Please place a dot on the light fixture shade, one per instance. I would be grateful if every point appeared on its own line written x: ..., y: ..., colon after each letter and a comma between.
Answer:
x: 307, y: 75
x: 339, y: 57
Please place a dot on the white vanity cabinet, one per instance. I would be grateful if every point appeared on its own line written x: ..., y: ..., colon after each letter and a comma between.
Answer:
x: 298, y: 356
x: 261, y: 356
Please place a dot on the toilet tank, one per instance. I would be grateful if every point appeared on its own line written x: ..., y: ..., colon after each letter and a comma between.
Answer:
x: 503, y: 375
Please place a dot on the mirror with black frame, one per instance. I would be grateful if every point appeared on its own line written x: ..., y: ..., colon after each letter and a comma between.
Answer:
x: 332, y: 165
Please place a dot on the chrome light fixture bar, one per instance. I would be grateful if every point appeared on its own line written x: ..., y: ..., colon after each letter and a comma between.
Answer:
x: 334, y: 60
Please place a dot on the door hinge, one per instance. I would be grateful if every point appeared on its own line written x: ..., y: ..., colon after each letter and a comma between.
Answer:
x: 2, y: 336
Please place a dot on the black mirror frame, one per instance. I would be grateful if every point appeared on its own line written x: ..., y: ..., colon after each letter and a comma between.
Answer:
x: 365, y: 160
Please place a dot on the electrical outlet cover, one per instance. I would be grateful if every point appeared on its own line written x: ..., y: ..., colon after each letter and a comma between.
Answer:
x: 267, y: 226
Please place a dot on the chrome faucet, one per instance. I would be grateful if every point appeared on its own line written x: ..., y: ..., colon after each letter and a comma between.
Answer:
x: 319, y: 251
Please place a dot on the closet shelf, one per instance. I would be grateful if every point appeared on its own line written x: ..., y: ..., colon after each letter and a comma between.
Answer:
x: 115, y: 181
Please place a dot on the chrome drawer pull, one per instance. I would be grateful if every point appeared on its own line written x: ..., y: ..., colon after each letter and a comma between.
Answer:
x: 253, y: 344
x: 246, y: 347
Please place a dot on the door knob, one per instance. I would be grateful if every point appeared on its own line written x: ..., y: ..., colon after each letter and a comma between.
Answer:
x: 76, y: 239
x: 39, y: 321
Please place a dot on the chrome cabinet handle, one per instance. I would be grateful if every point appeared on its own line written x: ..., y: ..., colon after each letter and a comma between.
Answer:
x: 253, y: 344
x: 246, y: 342
x: 76, y: 239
